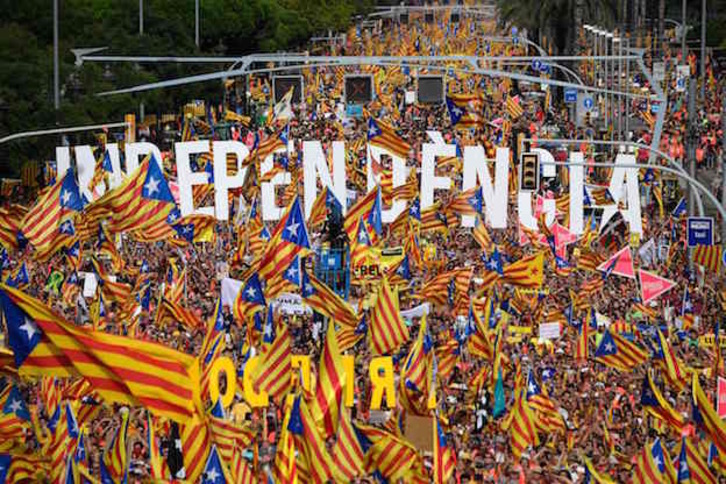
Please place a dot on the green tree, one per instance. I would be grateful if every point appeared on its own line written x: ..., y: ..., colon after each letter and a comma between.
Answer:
x: 230, y: 27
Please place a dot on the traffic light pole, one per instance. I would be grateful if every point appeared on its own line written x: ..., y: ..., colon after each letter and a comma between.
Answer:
x: 673, y: 163
x: 692, y: 181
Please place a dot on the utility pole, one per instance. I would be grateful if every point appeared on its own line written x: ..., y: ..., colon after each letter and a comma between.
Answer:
x: 692, y: 139
x: 683, y: 31
x: 691, y: 153
x: 56, y: 68
x: 141, y: 32
x: 703, y: 50
x: 196, y: 22
x: 723, y: 171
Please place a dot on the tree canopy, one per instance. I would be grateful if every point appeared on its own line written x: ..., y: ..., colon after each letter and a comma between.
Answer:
x: 227, y: 27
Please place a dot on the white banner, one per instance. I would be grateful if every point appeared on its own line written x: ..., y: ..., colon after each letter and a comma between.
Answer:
x: 288, y: 303
x: 230, y: 288
x: 549, y: 330
x: 416, y: 312
x: 89, y: 283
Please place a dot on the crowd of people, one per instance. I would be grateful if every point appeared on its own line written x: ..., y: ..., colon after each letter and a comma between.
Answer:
x: 598, y: 425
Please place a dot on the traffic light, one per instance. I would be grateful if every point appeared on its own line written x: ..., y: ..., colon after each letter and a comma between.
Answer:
x: 529, y: 172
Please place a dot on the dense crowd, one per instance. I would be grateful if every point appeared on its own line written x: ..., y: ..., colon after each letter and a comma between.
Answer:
x: 605, y: 426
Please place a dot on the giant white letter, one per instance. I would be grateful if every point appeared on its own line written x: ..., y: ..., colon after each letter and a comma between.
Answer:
x: 577, y: 190
x: 429, y: 180
x: 495, y: 195
x: 270, y: 210
x: 625, y: 178
x: 398, y: 167
x: 315, y: 164
x: 222, y: 181
x: 186, y: 178
x: 137, y: 151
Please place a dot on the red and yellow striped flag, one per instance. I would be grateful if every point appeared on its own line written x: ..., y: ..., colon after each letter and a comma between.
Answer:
x: 121, y: 369
x: 521, y: 426
x: 11, y: 219
x: 360, y: 210
x: 444, y: 455
x: 514, y: 109
x: 274, y: 374
x: 285, y: 467
x: 387, y: 329
x: 228, y: 436
x: 481, y: 234
x: 310, y: 442
x: 325, y: 407
x: 708, y: 256
x: 527, y: 272
x: 706, y: 416
x: 49, y: 226
x: 115, y: 460
x: 324, y: 300
x: 169, y: 312
x: 348, y: 454
x: 141, y: 204
x: 196, y: 445
x: 385, y: 136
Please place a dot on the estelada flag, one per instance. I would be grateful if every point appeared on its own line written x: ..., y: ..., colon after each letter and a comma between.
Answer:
x: 708, y: 256
x: 623, y: 263
x: 652, y: 285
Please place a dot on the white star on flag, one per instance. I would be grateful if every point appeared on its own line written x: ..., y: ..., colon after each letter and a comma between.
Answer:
x: 152, y: 186
x: 30, y: 328
x: 65, y: 197
x: 15, y: 405
x: 212, y: 475
x: 292, y: 228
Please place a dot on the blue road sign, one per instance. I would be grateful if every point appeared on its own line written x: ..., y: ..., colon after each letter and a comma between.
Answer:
x: 588, y: 103
x: 570, y: 95
x: 700, y: 231
x: 354, y: 110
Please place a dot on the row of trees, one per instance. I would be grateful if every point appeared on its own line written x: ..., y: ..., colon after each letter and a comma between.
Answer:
x: 228, y: 27
x: 558, y: 20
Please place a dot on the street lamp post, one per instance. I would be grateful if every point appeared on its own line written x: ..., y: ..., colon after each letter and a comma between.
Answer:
x: 196, y: 22
x: 683, y: 31
x: 703, y: 50
x: 619, y: 108
x: 56, y: 68
x: 627, y: 100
